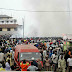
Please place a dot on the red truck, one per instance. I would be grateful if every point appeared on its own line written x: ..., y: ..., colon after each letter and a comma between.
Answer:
x: 26, y: 52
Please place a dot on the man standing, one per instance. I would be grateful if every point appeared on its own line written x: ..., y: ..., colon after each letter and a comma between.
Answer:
x: 44, y: 53
x: 62, y: 64
x: 69, y: 60
x: 9, y: 58
x: 53, y: 55
x: 32, y: 67
x: 24, y: 65
x: 55, y: 61
x: 7, y: 68
x: 34, y: 62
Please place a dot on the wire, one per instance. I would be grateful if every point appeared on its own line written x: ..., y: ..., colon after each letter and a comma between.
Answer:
x: 33, y: 11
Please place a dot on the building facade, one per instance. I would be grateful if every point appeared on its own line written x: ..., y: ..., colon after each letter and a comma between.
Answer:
x: 8, y: 25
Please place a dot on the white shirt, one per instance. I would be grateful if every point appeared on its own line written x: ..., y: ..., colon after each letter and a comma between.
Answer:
x: 60, y: 56
x: 55, y: 59
x: 13, y: 55
x: 53, y: 55
x: 69, y: 60
x: 1, y: 56
x: 61, y: 45
x: 32, y: 68
x: 11, y: 51
x: 44, y: 53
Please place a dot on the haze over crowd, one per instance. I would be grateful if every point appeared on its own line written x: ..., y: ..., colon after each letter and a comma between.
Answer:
x: 54, y: 17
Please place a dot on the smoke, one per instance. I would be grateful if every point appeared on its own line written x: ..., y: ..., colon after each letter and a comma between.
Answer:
x: 49, y: 23
x: 33, y: 31
x: 18, y: 33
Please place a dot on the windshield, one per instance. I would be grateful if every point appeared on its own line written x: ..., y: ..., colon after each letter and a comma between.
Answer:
x: 30, y: 55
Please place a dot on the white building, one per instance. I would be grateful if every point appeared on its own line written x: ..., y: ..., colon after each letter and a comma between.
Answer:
x: 4, y: 19
x: 8, y: 25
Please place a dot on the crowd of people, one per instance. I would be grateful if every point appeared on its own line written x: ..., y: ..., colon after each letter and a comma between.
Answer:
x: 53, y: 57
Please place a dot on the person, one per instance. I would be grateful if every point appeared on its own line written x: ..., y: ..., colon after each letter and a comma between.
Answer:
x: 34, y: 62
x: 39, y: 65
x: 66, y: 57
x: 9, y: 58
x: 6, y: 50
x: 44, y: 53
x: 69, y: 52
x: 0, y: 43
x: 69, y: 60
x: 9, y: 53
x: 12, y: 68
x: 61, y: 46
x: 13, y: 54
x: 50, y: 52
x: 53, y: 55
x: 55, y: 61
x: 2, y: 68
x: 24, y: 65
x: 47, y: 64
x: 7, y: 68
x: 41, y: 52
x: 61, y: 54
x: 58, y: 52
x: 62, y: 64
x: 1, y: 56
x: 32, y: 67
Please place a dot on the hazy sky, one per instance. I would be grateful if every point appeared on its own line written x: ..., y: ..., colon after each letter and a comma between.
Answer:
x: 56, y: 21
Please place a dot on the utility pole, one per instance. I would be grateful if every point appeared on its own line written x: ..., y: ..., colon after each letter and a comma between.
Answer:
x: 23, y: 28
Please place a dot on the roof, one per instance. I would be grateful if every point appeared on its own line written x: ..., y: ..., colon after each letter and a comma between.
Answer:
x: 27, y: 48
x: 8, y: 25
x: 5, y: 16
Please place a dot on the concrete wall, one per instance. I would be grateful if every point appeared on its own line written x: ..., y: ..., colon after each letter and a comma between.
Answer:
x: 12, y: 29
x: 4, y: 29
x: 7, y: 32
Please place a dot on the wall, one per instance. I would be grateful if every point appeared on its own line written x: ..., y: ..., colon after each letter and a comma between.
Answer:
x: 4, y: 29
x: 12, y: 29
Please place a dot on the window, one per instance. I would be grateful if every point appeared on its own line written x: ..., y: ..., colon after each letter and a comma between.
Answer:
x: 15, y: 29
x: 29, y: 56
x: 18, y: 56
x: 8, y: 29
x: 11, y: 21
x: 0, y: 29
x: 15, y: 21
x: 2, y: 21
x: 7, y: 21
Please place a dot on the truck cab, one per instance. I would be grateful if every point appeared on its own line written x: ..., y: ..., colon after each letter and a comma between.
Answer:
x: 26, y: 52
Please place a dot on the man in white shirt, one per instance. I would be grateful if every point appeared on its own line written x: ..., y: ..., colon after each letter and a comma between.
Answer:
x: 55, y: 61
x: 69, y: 60
x: 32, y: 67
x: 61, y: 55
x: 53, y: 55
x: 44, y: 53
